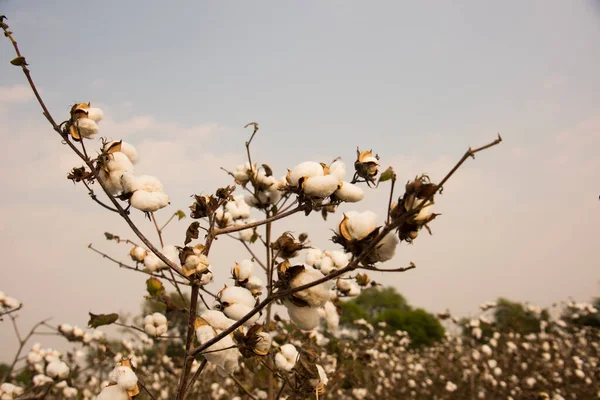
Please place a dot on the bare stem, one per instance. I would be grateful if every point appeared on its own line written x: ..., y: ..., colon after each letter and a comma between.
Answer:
x: 237, y: 228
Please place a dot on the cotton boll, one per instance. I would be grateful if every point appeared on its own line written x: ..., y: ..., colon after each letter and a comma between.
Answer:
x: 315, y: 296
x: 305, y: 318
x: 238, y: 208
x: 65, y: 329
x: 119, y: 162
x: 338, y: 169
x: 236, y: 295
x: 322, y: 380
x: 386, y: 248
x: 320, y: 186
x: 339, y: 258
x: 226, y: 359
x: 238, y: 311
x: 113, y: 393
x: 286, y: 357
x: 327, y: 265
x: 57, y: 369
x: 124, y: 377
x: 112, y: 181
x: 69, y: 392
x: 246, y: 234
x: 254, y: 284
x: 153, y: 263
x: 349, y: 192
x: 41, y: 380
x: 357, y: 225
x: 206, y: 277
x: 306, y: 169
x: 243, y: 173
x: 331, y: 316
x: 243, y: 270
x: 313, y: 257
x: 217, y: 319
x: 127, y: 149
x: 86, y: 127
x: 149, y: 202
x: 95, y: 114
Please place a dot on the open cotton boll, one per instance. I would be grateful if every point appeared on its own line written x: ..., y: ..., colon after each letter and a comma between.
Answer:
x: 246, y: 234
x: 153, y: 263
x: 243, y: 173
x: 322, y: 381
x: 95, y: 114
x: 338, y: 169
x: 57, y: 369
x: 349, y: 192
x: 327, y: 265
x: 132, y: 183
x: 243, y: 270
x: 286, y: 357
x: 332, y: 318
x: 206, y: 277
x: 313, y: 257
x: 41, y: 380
x: 254, y: 285
x: 69, y: 392
x: 305, y: 318
x: 238, y: 311
x: 236, y: 295
x: 307, y: 169
x: 217, y: 319
x: 86, y: 127
x: 149, y: 201
x: 127, y: 149
x: 119, y: 162
x: 124, y: 377
x: 339, y: 258
x: 315, y: 296
x: 238, y: 208
x: 155, y: 324
x: 113, y: 393
x: 386, y: 248
x: 359, y: 225
x: 9, y: 391
x: 320, y: 186
x: 226, y: 359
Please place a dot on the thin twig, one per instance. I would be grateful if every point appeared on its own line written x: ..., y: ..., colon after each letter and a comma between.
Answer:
x: 242, y: 387
x: 237, y: 228
x: 194, y: 378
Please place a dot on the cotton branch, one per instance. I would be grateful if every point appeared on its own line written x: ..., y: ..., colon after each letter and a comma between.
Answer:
x: 352, y: 265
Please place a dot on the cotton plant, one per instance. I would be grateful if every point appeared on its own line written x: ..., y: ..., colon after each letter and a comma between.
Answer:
x: 233, y: 329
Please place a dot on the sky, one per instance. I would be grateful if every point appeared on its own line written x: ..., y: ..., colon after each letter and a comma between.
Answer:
x: 418, y: 82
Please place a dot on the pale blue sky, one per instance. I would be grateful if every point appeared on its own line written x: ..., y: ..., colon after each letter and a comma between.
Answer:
x: 416, y: 81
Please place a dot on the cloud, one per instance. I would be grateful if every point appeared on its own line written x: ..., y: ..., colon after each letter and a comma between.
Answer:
x: 15, y: 94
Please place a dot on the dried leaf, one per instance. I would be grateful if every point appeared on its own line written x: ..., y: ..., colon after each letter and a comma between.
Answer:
x: 110, y: 236
x: 192, y: 232
x: 180, y: 214
x: 102, y: 319
x: 19, y: 61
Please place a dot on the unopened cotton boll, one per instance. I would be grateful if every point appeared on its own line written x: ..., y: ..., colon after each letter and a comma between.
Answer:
x: 305, y: 318
x: 113, y: 393
x: 286, y: 357
x: 307, y: 169
x: 86, y: 127
x: 349, y: 192
x: 315, y: 296
x: 320, y: 186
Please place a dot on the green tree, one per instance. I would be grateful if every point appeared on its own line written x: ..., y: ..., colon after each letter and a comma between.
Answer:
x: 511, y: 316
x: 423, y: 328
x: 386, y: 305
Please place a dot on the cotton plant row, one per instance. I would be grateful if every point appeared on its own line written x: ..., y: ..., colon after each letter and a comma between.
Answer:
x: 238, y: 326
